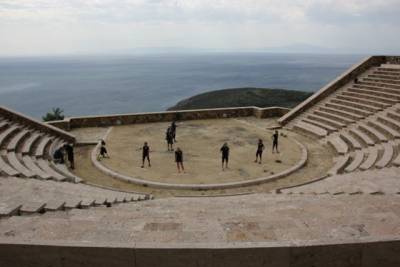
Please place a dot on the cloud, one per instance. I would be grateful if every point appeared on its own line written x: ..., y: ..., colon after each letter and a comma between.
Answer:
x: 51, y: 26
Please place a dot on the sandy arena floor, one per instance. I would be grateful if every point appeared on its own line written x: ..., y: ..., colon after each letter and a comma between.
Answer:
x: 200, y: 142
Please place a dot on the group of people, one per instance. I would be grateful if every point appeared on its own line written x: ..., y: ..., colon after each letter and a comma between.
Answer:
x: 171, y: 138
x: 64, y: 150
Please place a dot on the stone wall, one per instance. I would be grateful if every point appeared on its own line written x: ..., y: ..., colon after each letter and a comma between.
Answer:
x: 167, y: 116
x: 273, y: 254
x: 342, y: 80
x: 27, y: 121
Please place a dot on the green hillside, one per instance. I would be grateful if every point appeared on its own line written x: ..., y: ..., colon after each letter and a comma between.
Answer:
x: 240, y: 97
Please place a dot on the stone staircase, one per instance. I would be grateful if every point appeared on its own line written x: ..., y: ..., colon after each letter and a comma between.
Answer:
x: 30, y: 196
x: 26, y: 152
x: 360, y: 121
x: 373, y: 182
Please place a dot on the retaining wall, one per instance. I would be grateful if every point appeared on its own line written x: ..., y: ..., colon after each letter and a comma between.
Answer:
x: 124, y: 119
x: 274, y: 254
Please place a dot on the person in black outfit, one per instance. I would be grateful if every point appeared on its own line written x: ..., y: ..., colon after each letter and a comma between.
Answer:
x: 70, y: 155
x: 260, y: 149
x: 58, y: 156
x: 173, y: 130
x: 179, y: 159
x: 145, y: 154
x: 275, y: 142
x: 170, y: 139
x: 225, y: 155
x: 103, y: 150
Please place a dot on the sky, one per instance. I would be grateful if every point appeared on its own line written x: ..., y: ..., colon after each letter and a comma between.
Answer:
x: 51, y: 27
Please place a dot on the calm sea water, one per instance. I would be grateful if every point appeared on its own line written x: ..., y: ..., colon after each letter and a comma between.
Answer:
x: 124, y: 84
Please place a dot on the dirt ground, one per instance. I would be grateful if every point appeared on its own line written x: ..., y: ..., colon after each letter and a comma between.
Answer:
x: 200, y: 142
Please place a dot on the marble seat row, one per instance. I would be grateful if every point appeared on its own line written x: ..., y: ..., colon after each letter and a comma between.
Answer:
x: 357, y: 101
x: 26, y: 152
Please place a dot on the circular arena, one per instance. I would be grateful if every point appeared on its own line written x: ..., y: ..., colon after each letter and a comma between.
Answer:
x: 329, y: 195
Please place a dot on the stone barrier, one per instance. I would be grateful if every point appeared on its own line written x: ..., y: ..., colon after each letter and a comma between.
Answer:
x: 362, y: 253
x: 167, y: 116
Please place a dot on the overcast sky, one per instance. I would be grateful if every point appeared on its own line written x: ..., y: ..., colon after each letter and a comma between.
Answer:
x: 42, y: 27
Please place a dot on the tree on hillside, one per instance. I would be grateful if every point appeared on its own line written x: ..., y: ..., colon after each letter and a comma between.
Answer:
x: 55, y: 115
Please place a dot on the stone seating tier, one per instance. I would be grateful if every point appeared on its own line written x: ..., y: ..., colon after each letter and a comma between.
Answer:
x: 333, y: 117
x: 310, y: 129
x: 350, y: 140
x: 338, y: 144
x: 374, y: 134
x: 326, y: 127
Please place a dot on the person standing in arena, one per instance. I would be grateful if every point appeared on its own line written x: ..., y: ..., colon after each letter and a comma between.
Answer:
x: 145, y: 154
x: 260, y: 149
x: 173, y: 130
x: 170, y: 139
x: 179, y: 160
x: 69, y: 149
x: 275, y: 137
x: 225, y: 155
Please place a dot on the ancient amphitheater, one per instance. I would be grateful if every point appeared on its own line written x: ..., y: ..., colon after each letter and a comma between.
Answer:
x: 329, y: 198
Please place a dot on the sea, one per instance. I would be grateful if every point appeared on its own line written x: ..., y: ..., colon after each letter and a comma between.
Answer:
x: 93, y: 85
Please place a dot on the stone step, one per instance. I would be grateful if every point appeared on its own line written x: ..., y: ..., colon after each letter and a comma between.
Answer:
x: 388, y: 152
x: 63, y: 169
x: 372, y: 157
x: 387, y: 72
x: 17, y: 165
x: 17, y: 140
x: 352, y: 110
x: 383, y: 128
x: 350, y: 140
x: 377, y: 89
x: 384, y: 76
x: 334, y: 117
x: 32, y: 207
x: 370, y: 97
x: 365, y: 139
x: 54, y: 205
x: 381, y: 93
x: 356, y: 104
x: 9, y: 208
x: 342, y: 113
x: 6, y: 168
x: 369, y: 102
x: 86, y: 203
x: 31, y: 165
x: 338, y: 144
x: 100, y: 201
x: 396, y: 161
x: 310, y: 129
x: 377, y: 136
x: 381, y: 80
x: 326, y: 127
x: 389, y: 67
x: 72, y: 203
x: 357, y: 160
x: 340, y: 164
x: 7, y: 134
x: 394, y: 116
x: 3, y: 125
x: 394, y: 124
x: 44, y: 142
x: 380, y: 85
x: 327, y: 121
x: 44, y: 165
x: 30, y: 142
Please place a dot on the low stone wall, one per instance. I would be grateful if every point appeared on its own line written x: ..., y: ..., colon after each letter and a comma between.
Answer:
x: 166, y: 116
x: 339, y: 82
x: 27, y: 121
x: 366, y: 253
